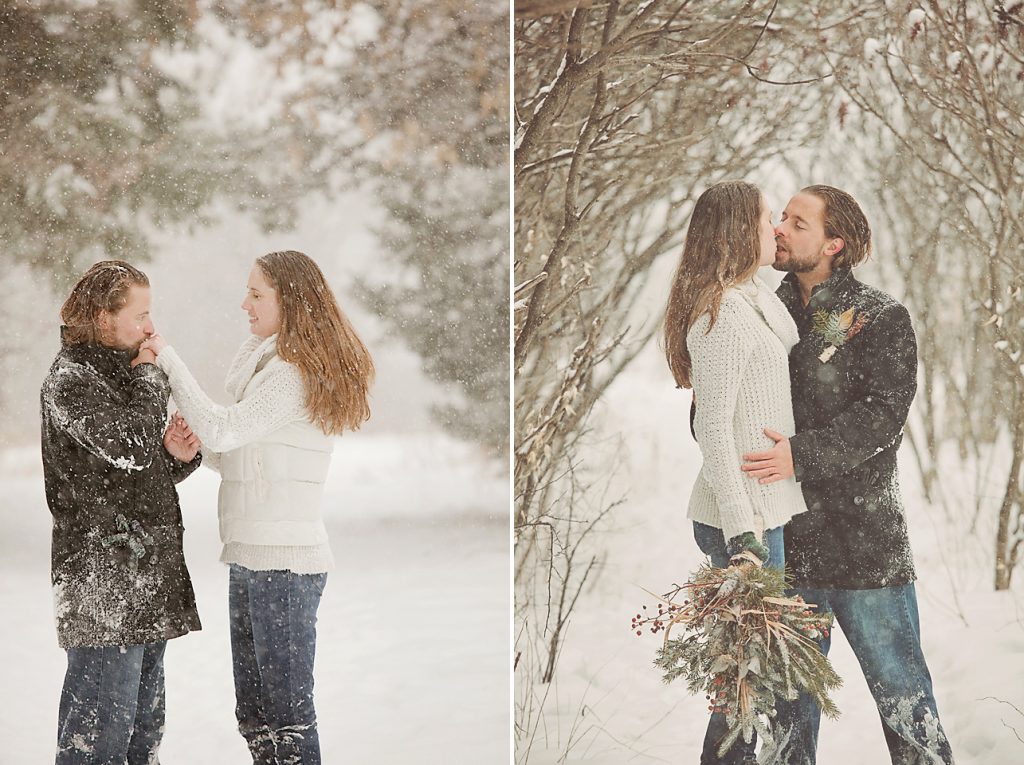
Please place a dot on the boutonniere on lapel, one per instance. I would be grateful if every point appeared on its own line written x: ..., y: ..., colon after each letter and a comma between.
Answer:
x: 836, y: 328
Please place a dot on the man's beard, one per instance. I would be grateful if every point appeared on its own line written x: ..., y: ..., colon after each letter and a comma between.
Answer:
x: 795, y: 265
x: 113, y: 342
x: 132, y: 349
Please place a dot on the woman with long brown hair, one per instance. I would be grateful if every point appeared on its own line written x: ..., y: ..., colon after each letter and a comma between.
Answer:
x: 728, y: 337
x: 301, y: 378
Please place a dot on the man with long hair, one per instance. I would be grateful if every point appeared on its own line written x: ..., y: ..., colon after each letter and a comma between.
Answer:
x: 121, y: 587
x: 853, y: 377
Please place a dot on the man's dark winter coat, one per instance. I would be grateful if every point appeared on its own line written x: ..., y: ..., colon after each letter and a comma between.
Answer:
x: 118, y: 569
x: 850, y: 409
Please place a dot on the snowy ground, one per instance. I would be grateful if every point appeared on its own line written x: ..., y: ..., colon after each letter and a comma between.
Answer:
x: 412, y: 652
x: 608, y: 705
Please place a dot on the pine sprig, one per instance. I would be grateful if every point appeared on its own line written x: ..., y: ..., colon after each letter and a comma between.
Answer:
x: 745, y: 644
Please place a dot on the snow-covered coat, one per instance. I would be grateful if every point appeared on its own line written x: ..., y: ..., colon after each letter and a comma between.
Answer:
x: 118, y: 568
x: 854, y: 376
x: 273, y: 461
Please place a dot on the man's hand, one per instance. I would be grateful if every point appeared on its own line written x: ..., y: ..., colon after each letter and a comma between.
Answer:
x: 145, y: 356
x: 772, y: 465
x: 155, y: 344
x: 180, y: 441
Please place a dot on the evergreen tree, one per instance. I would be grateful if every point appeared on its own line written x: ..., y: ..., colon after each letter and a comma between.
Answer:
x: 93, y: 134
x: 435, y: 97
x: 101, y: 139
x: 103, y: 136
x: 425, y: 86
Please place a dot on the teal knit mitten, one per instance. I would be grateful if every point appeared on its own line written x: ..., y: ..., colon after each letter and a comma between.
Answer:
x: 747, y: 541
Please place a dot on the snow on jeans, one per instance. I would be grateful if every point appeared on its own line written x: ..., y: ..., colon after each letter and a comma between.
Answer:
x: 712, y: 543
x: 273, y: 641
x: 112, y: 706
x: 883, y: 628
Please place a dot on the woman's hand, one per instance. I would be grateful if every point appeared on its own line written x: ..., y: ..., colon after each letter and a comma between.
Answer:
x: 144, y: 356
x: 747, y: 548
x: 154, y: 343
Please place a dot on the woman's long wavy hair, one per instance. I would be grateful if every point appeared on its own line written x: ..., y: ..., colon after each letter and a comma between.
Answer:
x: 722, y: 248
x: 319, y: 339
x: 104, y: 287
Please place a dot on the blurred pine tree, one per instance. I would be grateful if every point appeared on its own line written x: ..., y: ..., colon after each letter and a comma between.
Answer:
x: 94, y: 136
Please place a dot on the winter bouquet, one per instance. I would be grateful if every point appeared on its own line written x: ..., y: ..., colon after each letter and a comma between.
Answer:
x: 744, y: 644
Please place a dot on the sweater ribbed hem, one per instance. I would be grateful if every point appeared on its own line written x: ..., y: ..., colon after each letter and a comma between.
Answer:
x: 312, y: 559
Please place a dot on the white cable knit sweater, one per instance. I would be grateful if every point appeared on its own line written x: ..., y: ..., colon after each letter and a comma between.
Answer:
x: 740, y: 374
x: 273, y: 461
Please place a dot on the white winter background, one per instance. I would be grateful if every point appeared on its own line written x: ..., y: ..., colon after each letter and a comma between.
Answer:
x: 413, y: 633
x: 607, y: 704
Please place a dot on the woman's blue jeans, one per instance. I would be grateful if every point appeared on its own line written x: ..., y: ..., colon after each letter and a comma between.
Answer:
x: 273, y: 642
x: 713, y: 544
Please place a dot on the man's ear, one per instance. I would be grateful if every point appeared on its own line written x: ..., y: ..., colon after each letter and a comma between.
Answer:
x: 103, y: 320
x: 835, y: 246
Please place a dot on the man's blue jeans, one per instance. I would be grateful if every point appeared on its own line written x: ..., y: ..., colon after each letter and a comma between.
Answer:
x: 713, y: 544
x: 112, y: 706
x: 273, y: 640
x: 883, y: 628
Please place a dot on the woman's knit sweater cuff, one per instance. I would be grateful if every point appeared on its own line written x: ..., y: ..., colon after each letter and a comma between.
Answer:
x: 735, y: 520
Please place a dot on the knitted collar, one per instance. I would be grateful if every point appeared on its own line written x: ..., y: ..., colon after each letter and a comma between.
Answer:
x: 254, y: 350
x: 761, y: 298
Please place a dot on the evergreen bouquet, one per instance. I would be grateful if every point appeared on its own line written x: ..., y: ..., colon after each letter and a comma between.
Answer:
x: 744, y: 645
